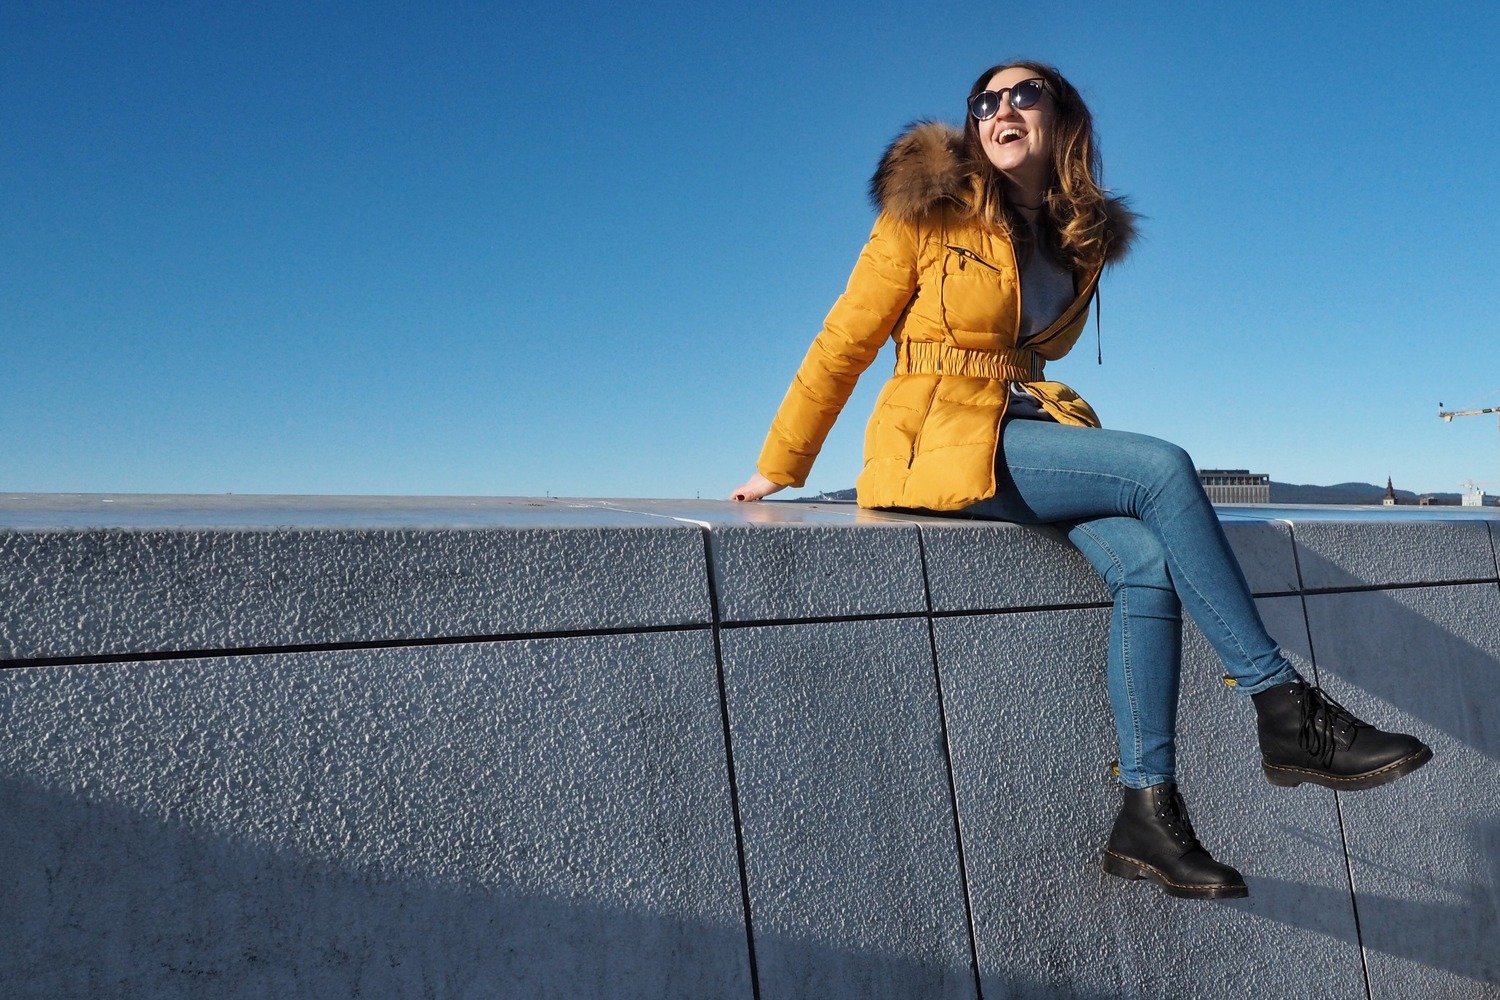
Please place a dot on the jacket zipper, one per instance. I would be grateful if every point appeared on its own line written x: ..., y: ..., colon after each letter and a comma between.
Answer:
x: 1080, y: 302
x: 965, y: 253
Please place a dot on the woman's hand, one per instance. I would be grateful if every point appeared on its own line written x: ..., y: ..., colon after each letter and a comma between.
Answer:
x: 755, y: 487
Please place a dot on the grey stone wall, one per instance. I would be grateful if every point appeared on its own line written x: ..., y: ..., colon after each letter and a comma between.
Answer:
x: 405, y: 747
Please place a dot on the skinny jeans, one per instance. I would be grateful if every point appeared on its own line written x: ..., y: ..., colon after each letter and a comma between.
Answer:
x: 1133, y: 505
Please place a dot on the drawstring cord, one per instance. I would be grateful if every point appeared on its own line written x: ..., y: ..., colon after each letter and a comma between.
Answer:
x: 1098, y: 337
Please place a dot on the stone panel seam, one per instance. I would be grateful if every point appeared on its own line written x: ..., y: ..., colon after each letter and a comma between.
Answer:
x: 133, y: 656
x: 154, y: 655
x: 1338, y: 806
x: 818, y: 619
x: 958, y: 834
x: 834, y: 619
x: 734, y: 789
x: 1362, y: 587
x: 1359, y: 935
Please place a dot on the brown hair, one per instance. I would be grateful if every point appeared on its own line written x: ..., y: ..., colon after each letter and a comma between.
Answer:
x: 1076, y: 229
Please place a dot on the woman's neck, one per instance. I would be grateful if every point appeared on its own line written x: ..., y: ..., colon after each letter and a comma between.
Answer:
x: 1025, y: 193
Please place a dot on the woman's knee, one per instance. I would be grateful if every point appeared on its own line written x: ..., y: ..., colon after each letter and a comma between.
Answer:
x: 1125, y: 552
x: 1164, y: 462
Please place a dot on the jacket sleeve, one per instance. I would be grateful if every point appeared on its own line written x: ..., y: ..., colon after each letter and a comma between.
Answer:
x: 883, y: 282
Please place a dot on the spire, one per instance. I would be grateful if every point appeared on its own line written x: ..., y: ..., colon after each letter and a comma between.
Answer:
x: 1390, y: 493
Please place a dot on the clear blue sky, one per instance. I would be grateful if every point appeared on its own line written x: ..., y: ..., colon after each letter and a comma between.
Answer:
x: 514, y: 249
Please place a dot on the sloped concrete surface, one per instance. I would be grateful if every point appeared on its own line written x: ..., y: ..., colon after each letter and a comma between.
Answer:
x: 1425, y: 852
x: 705, y: 795
x: 536, y: 818
x: 974, y: 565
x: 787, y: 561
x: 849, y: 835
x: 1337, y: 554
x: 1029, y: 722
x: 261, y: 576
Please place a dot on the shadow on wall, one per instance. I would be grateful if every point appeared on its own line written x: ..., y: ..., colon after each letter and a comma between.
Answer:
x: 102, y: 901
x: 1409, y: 646
x: 1404, y: 928
x: 1426, y: 862
x: 99, y: 899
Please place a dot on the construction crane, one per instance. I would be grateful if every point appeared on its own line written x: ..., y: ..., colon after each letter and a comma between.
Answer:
x: 1448, y: 416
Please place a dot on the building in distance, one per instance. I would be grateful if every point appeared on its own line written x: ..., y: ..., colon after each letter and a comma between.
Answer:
x: 1235, y: 485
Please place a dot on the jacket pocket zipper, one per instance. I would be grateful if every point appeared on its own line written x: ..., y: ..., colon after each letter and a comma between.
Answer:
x: 916, y: 441
x: 964, y: 253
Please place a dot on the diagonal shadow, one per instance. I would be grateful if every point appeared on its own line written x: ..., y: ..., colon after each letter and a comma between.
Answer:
x: 1424, y: 927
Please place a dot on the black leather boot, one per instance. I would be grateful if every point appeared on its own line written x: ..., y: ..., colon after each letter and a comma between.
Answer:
x: 1307, y: 736
x: 1153, y: 838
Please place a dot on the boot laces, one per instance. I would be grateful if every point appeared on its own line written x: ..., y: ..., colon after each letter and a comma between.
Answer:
x: 1321, y: 715
x: 1172, y: 810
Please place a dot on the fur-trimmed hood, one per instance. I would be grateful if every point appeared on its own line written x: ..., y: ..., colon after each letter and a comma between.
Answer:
x: 926, y: 167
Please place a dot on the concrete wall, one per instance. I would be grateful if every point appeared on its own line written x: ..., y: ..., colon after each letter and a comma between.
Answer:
x: 320, y: 747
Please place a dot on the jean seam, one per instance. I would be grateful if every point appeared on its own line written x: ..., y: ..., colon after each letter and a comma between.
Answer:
x: 1122, y: 607
x: 1155, y: 513
x: 1223, y: 625
x: 1266, y: 685
x: 1149, y: 780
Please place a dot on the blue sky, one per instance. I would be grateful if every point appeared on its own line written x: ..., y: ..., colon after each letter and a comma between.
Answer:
x: 507, y: 249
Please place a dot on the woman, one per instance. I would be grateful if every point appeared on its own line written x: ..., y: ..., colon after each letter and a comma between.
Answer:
x: 982, y: 264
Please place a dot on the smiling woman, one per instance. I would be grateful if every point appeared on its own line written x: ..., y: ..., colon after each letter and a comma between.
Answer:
x: 984, y: 258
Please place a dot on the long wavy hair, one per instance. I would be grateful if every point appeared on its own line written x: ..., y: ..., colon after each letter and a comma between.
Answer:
x: 1075, y: 221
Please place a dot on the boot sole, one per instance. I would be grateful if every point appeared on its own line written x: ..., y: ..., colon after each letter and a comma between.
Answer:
x: 1291, y: 777
x: 1129, y: 868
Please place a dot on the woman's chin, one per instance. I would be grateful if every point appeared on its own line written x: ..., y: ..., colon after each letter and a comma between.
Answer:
x: 1008, y: 161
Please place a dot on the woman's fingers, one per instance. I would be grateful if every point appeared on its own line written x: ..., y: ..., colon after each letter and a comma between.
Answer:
x: 754, y: 488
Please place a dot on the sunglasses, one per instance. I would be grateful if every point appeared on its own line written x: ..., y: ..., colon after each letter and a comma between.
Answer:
x: 987, y: 103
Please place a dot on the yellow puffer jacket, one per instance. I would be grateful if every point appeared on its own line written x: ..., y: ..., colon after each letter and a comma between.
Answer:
x: 946, y: 288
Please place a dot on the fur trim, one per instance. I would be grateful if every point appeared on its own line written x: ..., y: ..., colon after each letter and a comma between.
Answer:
x: 926, y: 167
x: 1121, y: 224
x: 922, y: 168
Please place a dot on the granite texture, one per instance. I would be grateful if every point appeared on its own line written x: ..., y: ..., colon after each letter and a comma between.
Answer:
x: 86, y: 592
x: 552, y: 816
x: 781, y: 573
x: 1032, y: 739
x: 850, y: 848
x: 1425, y: 852
x: 1264, y: 552
x: 539, y: 818
x: 976, y: 565
x: 786, y: 561
x: 1366, y: 553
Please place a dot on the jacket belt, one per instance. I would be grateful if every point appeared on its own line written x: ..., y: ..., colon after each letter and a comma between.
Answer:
x: 1013, y: 364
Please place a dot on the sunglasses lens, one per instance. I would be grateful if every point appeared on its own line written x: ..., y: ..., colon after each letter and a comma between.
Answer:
x: 1026, y: 94
x: 984, y: 105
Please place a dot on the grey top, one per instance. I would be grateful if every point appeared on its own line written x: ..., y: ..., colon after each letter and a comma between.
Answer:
x: 1046, y: 290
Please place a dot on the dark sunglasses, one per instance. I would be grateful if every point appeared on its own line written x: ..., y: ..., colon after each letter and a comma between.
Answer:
x: 987, y: 103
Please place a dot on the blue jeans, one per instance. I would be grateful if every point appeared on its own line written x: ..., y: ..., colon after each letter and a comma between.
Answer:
x: 1133, y: 506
